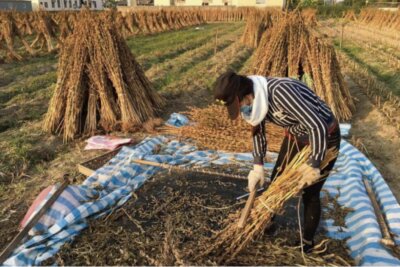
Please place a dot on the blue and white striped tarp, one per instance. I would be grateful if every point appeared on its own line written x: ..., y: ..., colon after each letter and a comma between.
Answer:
x: 362, y: 228
x: 113, y: 184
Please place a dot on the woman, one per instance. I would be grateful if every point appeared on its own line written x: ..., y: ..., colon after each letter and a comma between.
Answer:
x: 307, y: 121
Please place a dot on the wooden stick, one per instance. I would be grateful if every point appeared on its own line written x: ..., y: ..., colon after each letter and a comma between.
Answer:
x: 341, y: 37
x: 32, y: 222
x: 252, y: 195
x: 387, y: 238
x: 247, y: 208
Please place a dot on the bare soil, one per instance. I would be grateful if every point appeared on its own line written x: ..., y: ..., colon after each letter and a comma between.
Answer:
x: 377, y: 138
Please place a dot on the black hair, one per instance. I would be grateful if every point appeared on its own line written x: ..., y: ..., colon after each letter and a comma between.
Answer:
x: 231, y: 85
x: 245, y: 88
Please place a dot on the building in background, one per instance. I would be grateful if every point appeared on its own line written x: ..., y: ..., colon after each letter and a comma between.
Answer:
x: 58, y: 5
x: 163, y: 3
x: 255, y: 3
x: 19, y: 5
x: 133, y: 3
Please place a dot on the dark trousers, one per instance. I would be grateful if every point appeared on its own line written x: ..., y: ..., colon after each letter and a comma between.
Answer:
x: 311, y: 200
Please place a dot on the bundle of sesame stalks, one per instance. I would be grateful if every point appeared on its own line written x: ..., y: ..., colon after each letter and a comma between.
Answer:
x: 226, y: 244
x: 310, y: 16
x: 100, y: 84
x: 293, y: 49
x: 46, y: 31
x: 212, y: 129
x: 9, y: 31
x: 380, y: 18
x: 255, y: 26
x: 350, y: 15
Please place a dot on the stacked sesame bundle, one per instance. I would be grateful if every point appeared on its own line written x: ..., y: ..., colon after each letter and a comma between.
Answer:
x: 213, y: 129
x: 291, y: 48
x: 100, y: 85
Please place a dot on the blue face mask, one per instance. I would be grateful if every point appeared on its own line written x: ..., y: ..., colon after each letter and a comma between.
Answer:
x: 246, y: 110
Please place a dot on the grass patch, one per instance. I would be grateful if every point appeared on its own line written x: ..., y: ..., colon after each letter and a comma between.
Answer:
x: 175, y: 75
x: 155, y: 52
x: 377, y: 68
x: 24, y: 148
x: 17, y: 71
x: 192, y: 68
x: 27, y: 86
x: 144, y: 44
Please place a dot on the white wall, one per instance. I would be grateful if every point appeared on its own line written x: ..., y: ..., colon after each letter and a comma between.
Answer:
x: 162, y: 2
x: 131, y: 2
x: 57, y: 5
x: 260, y: 3
x: 244, y: 2
x: 271, y: 3
x: 219, y: 2
x: 35, y: 4
x: 192, y: 3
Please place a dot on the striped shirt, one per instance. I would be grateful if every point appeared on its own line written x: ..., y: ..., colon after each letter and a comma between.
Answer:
x: 300, y: 111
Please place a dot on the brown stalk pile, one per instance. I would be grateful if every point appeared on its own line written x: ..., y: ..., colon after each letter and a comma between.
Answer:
x: 100, y: 84
x: 65, y: 22
x: 209, y: 14
x: 213, y: 129
x: 51, y: 29
x: 148, y: 21
x: 350, y: 15
x: 9, y: 31
x: 47, y: 28
x: 255, y: 27
x: 25, y: 22
x: 310, y: 16
x: 227, y: 14
x: 226, y: 244
x: 293, y: 49
x: 46, y: 31
x: 380, y: 18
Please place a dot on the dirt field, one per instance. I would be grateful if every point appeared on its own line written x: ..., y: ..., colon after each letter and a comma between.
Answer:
x: 170, y: 220
x: 182, y: 66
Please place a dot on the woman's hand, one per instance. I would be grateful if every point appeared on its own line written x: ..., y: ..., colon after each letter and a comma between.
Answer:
x: 256, y: 176
x: 309, y: 175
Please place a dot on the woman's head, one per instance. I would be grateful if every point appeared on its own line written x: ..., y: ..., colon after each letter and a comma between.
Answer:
x: 235, y: 91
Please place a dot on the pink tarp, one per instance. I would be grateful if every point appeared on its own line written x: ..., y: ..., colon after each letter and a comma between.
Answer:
x: 106, y: 142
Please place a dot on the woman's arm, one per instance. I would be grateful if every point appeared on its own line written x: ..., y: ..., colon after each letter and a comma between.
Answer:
x: 259, y: 143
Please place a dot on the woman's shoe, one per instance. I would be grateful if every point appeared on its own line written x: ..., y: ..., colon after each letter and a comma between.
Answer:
x: 307, y: 245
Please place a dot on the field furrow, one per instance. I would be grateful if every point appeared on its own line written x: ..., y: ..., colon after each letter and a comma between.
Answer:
x: 384, y: 33
x: 387, y: 44
x: 381, y: 65
x: 163, y: 74
x: 388, y: 55
x: 194, y: 89
x: 158, y: 56
x: 18, y: 71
